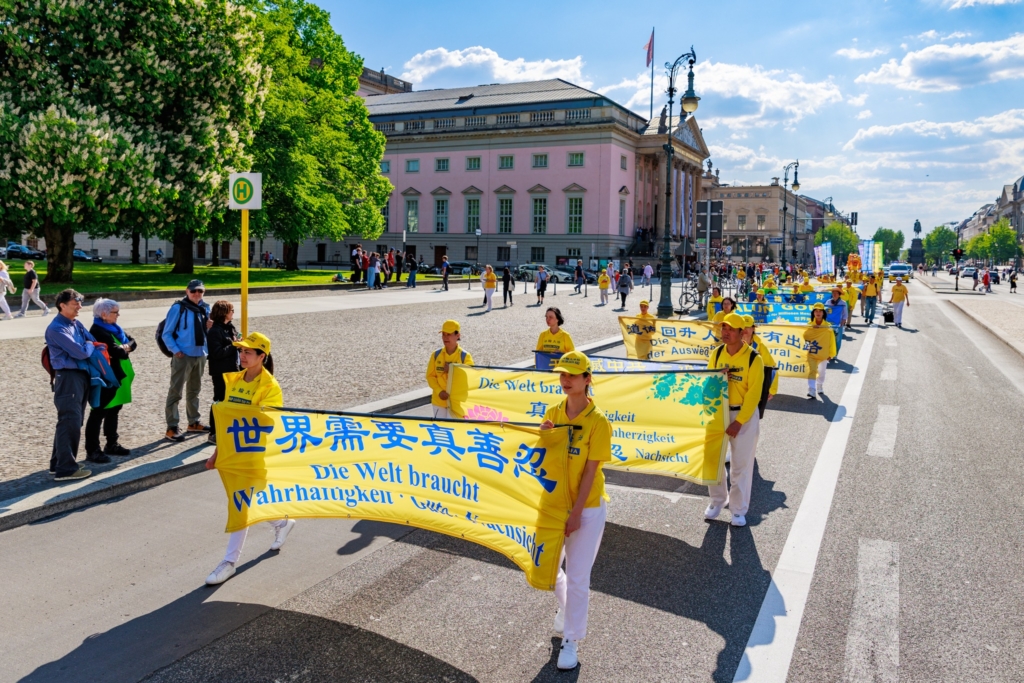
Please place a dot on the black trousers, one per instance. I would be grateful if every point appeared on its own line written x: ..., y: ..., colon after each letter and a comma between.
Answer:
x: 506, y: 295
x: 624, y: 295
x: 107, y: 418
x: 70, y: 395
x: 219, y: 390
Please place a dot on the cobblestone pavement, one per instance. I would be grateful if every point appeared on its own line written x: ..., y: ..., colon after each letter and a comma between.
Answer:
x: 330, y: 360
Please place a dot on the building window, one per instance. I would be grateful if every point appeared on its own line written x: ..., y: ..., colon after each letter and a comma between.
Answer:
x: 440, y: 215
x: 575, y: 158
x: 760, y: 221
x: 476, y: 120
x: 575, y: 215
x: 540, y: 160
x: 537, y: 254
x: 505, y: 214
x: 412, y: 215
x: 441, y: 165
x: 622, y: 215
x: 504, y: 254
x: 472, y: 163
x: 741, y: 222
x: 573, y: 252
x: 505, y: 162
x: 385, y: 212
x: 623, y: 164
x: 113, y: 252
x: 472, y: 215
x: 540, y: 215
x: 471, y: 254
x: 412, y: 165
x: 385, y: 167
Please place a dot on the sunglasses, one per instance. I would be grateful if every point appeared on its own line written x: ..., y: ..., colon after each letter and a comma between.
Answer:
x: 201, y: 291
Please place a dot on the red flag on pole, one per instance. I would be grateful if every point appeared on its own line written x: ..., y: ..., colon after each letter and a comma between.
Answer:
x: 650, y: 48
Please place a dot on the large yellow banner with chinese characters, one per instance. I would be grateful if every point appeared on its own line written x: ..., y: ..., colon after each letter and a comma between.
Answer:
x: 500, y: 485
x: 670, y: 422
x: 791, y: 346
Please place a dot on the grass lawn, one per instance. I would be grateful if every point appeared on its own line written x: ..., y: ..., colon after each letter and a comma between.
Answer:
x: 116, y: 277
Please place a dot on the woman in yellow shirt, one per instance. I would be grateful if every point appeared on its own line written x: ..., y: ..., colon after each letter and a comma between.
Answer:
x: 554, y: 339
x: 591, y: 447
x: 852, y: 295
x: 898, y: 297
x: 254, y: 385
x: 490, y: 284
x: 603, y: 283
x: 716, y: 298
x: 819, y: 333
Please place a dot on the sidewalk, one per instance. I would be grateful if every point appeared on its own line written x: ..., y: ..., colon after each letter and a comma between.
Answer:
x: 946, y: 284
x: 1005, y: 322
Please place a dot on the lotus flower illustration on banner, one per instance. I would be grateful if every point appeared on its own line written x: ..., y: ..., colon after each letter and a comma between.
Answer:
x: 484, y: 413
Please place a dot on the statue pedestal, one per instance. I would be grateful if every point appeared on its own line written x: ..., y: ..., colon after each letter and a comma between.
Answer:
x: 916, y: 252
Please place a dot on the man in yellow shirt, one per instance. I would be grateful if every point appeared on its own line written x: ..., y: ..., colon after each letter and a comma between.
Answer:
x: 870, y: 299
x: 440, y: 360
x: 746, y: 377
x: 603, y: 283
x: 897, y: 298
x: 852, y: 295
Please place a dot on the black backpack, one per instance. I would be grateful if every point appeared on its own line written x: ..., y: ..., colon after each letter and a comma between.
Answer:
x: 160, y: 334
x: 766, y: 385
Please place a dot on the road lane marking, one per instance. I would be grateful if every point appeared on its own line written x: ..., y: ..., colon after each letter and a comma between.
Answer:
x: 770, y: 646
x: 873, y: 639
x: 883, y: 434
x: 889, y: 370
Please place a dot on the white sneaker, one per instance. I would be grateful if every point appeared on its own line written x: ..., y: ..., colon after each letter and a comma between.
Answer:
x: 568, y: 656
x: 713, y: 511
x: 281, y: 533
x: 738, y: 520
x: 46, y: 312
x: 224, y: 571
x: 19, y: 315
x: 559, y: 625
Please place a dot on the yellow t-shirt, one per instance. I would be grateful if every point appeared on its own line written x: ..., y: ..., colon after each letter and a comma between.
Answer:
x: 490, y: 281
x: 899, y: 293
x: 262, y: 391
x: 437, y: 375
x: 852, y: 295
x: 555, y: 343
x: 766, y: 358
x: 745, y: 378
x: 870, y: 289
x: 806, y: 287
x: 604, y: 282
x: 591, y: 440
x: 711, y: 305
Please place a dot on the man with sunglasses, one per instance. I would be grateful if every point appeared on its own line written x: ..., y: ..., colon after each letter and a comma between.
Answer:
x: 185, y: 336
x: 68, y: 342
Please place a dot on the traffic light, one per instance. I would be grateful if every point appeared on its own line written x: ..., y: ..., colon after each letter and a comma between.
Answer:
x: 958, y: 254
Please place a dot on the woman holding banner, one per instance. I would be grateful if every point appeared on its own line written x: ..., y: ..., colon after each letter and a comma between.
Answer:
x: 822, y: 342
x: 554, y: 339
x: 716, y: 298
x: 254, y: 385
x: 591, y: 448
x: 753, y: 341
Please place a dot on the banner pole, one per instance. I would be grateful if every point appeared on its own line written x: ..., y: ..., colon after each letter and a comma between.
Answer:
x: 245, y: 272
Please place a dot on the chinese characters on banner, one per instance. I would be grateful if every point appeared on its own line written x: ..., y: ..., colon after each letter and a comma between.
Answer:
x: 499, y: 485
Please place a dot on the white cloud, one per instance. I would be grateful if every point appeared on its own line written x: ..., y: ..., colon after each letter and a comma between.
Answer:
x: 955, y: 35
x: 959, y: 4
x: 928, y: 35
x: 854, y: 53
x: 865, y: 114
x: 857, y: 101
x: 429, y: 63
x: 917, y: 136
x: 942, y: 68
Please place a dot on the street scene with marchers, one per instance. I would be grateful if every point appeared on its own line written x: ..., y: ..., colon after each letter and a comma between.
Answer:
x: 349, y: 342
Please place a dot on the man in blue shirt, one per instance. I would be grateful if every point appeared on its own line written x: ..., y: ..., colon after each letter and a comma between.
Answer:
x: 185, y: 336
x: 68, y: 342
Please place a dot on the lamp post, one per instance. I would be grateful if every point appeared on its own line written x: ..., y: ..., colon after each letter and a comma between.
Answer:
x: 688, y: 104
x: 785, y: 205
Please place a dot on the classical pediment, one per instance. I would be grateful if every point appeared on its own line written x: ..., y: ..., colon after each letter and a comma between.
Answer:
x: 440, y: 190
x: 574, y: 188
x: 623, y: 190
x: 411, y: 192
x: 538, y: 189
x: 504, y: 189
x: 472, y: 190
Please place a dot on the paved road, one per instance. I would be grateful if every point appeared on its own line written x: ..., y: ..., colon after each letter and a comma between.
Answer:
x: 916, y: 578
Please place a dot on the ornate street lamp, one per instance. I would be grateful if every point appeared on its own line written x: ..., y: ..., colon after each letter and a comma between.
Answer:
x: 688, y: 105
x: 785, y: 205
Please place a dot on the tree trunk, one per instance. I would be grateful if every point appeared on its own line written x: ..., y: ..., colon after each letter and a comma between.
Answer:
x: 136, y: 236
x: 292, y: 262
x: 183, y: 253
x: 60, y: 245
x: 215, y: 261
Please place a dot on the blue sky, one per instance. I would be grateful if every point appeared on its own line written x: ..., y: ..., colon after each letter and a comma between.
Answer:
x: 904, y: 110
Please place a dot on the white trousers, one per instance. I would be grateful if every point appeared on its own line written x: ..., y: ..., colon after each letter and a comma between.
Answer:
x: 237, y: 539
x: 741, y: 473
x: 3, y: 300
x: 572, y: 587
x: 815, y: 386
x: 488, y: 293
x: 439, y: 413
x: 897, y: 312
x: 604, y: 296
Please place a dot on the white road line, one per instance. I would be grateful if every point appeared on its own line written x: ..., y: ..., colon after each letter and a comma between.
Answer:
x: 883, y: 434
x: 873, y: 639
x: 770, y: 647
x: 889, y: 370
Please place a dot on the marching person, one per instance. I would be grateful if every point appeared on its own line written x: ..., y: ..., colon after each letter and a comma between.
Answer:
x: 184, y: 335
x: 508, y: 286
x: 728, y: 305
x: 753, y: 341
x: 837, y: 300
x: 716, y: 298
x: 30, y: 291
x: 440, y: 360
x: 817, y: 366
x: 490, y: 284
x: 7, y: 285
x: 106, y: 330
x: 852, y: 295
x: 604, y: 281
x: 897, y: 297
x: 554, y: 339
x: 591, y: 447
x: 870, y: 293
x: 759, y: 297
x: 223, y: 356
x: 643, y: 340
x: 253, y: 385
x: 746, y: 376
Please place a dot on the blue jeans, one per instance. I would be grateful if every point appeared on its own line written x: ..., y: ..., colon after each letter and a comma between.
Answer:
x: 371, y: 277
x: 869, y: 308
x: 411, y: 280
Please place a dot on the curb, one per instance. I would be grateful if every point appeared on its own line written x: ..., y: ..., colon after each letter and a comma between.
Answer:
x: 996, y: 332
x: 98, y: 490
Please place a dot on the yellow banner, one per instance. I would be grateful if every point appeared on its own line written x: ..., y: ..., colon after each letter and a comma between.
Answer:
x: 792, y: 346
x: 670, y: 423
x: 500, y: 485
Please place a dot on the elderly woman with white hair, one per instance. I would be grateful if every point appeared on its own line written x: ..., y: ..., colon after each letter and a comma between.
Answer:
x: 119, y: 345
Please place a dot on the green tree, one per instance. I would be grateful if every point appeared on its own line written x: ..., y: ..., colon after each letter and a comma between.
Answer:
x: 939, y: 244
x: 1002, y: 242
x: 892, y: 243
x: 318, y: 152
x: 844, y: 240
x: 977, y: 247
x: 122, y: 113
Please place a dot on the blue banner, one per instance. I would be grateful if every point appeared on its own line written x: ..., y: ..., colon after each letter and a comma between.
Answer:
x: 809, y: 298
x: 545, y: 361
x: 765, y: 314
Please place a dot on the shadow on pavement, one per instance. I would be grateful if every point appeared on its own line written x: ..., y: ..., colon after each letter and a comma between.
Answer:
x: 801, y: 404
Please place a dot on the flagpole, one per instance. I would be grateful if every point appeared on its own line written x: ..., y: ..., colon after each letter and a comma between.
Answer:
x: 652, y: 73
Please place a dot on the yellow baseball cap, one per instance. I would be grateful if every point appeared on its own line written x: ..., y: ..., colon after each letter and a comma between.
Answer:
x: 748, y: 320
x: 818, y: 307
x: 255, y: 340
x: 573, y: 363
x: 719, y: 317
x: 645, y: 302
x: 760, y: 291
x: 734, y: 320
x: 451, y: 327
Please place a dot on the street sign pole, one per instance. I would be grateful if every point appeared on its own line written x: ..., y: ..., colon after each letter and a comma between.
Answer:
x: 245, y: 272
x: 245, y: 192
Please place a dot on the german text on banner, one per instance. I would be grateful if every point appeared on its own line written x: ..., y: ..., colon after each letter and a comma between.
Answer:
x: 765, y: 314
x: 499, y: 485
x: 670, y: 423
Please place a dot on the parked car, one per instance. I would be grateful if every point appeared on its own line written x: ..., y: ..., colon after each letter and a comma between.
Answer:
x: 528, y: 271
x: 20, y: 251
x: 968, y: 272
x: 3, y: 252
x: 568, y: 274
x: 81, y: 255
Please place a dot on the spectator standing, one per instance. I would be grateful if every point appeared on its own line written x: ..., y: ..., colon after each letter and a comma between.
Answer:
x: 184, y: 334
x: 223, y: 355
x: 446, y: 270
x: 490, y: 284
x: 507, y: 287
x: 371, y: 271
x: 648, y: 274
x: 413, y: 269
x: 1013, y: 284
x: 578, y: 274
x: 540, y: 283
x: 68, y: 342
x: 106, y: 330
x: 357, y: 263
x: 625, y: 286
x: 974, y: 277
x: 365, y: 261
x: 30, y: 291
x: 391, y: 260
x: 399, y: 261
x: 7, y: 285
